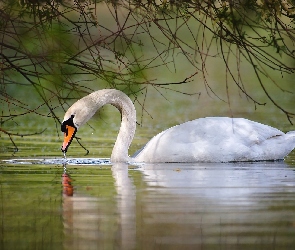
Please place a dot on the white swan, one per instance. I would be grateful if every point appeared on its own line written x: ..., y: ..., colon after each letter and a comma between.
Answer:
x: 212, y: 139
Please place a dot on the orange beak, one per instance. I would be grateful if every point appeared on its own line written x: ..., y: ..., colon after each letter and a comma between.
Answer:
x: 69, y: 134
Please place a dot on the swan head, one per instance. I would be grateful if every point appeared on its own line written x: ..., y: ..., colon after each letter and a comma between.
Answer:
x: 77, y: 115
x: 83, y: 109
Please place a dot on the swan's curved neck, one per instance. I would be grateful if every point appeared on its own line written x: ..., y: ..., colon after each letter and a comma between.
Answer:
x: 128, y: 120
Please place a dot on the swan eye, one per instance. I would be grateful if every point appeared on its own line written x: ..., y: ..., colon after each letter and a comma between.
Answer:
x: 64, y: 128
x: 70, y: 122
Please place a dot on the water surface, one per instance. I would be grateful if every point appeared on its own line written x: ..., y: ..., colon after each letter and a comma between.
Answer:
x: 152, y: 206
x: 87, y: 203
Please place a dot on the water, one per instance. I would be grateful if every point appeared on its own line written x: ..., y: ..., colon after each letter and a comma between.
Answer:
x: 152, y: 206
x: 84, y: 202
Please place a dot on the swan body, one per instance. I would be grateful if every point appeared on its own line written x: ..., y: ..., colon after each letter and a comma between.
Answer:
x: 211, y: 139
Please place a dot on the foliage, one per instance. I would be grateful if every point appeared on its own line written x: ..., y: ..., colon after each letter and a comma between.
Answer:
x: 55, y: 51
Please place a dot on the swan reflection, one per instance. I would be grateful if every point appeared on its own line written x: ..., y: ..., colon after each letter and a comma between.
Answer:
x: 126, y: 196
x: 81, y: 218
x: 87, y: 219
x: 223, y: 182
x: 185, y: 205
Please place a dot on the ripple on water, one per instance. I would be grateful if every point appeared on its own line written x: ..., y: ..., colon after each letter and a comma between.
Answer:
x: 69, y: 161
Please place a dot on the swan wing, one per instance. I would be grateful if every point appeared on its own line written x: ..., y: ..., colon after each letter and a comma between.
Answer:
x: 215, y: 139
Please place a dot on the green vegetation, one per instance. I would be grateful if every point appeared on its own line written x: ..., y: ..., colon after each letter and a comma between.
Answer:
x: 52, y: 52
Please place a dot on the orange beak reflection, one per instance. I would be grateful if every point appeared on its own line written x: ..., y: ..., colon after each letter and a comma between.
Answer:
x: 68, y: 189
x: 69, y: 134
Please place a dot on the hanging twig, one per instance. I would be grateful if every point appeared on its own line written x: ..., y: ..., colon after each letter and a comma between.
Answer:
x: 10, y: 135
